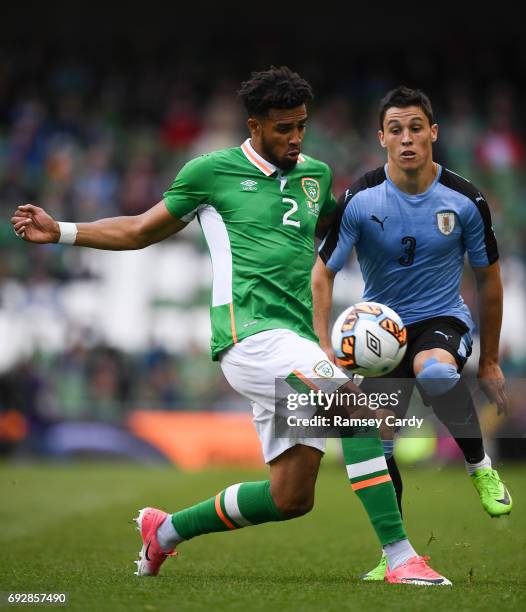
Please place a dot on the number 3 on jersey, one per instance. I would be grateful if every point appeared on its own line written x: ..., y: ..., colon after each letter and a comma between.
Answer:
x: 409, y: 257
x: 291, y: 211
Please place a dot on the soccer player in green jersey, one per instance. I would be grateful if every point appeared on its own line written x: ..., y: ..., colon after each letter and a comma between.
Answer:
x: 259, y: 206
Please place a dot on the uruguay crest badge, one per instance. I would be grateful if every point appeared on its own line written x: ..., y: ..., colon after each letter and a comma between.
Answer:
x: 446, y: 222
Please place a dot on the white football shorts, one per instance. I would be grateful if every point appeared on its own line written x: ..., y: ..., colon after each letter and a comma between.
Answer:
x: 252, y: 367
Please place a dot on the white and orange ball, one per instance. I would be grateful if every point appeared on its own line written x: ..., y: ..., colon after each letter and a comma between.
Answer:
x: 369, y: 339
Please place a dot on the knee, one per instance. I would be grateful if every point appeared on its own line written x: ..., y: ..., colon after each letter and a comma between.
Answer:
x: 292, y: 506
x: 437, y: 378
x: 388, y: 448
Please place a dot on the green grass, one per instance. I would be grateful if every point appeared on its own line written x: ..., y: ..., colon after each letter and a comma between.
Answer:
x: 69, y: 528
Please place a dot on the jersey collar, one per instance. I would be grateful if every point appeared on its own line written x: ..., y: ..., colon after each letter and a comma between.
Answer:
x: 255, y: 158
x: 262, y: 164
x: 419, y: 196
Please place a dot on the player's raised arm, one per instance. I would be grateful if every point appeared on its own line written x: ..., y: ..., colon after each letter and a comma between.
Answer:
x: 34, y: 224
x: 490, y: 298
x: 322, y: 287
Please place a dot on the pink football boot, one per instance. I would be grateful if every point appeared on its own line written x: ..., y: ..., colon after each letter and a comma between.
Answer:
x: 151, y: 556
x: 416, y: 571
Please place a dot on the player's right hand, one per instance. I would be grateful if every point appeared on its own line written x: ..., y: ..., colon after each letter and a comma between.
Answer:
x: 33, y: 224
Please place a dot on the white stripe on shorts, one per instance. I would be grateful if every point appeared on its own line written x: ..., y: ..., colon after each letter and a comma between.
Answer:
x: 354, y: 470
x: 231, y: 506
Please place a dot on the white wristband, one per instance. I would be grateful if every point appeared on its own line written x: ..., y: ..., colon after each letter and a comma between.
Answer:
x: 68, y: 233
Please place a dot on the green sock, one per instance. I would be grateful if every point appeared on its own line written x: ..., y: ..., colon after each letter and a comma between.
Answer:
x: 240, y: 505
x: 370, y: 480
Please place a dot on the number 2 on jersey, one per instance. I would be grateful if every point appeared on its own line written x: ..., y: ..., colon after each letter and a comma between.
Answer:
x: 409, y: 256
x: 291, y: 211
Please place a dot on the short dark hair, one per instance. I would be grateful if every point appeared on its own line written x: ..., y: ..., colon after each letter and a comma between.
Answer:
x: 274, y: 88
x: 402, y: 97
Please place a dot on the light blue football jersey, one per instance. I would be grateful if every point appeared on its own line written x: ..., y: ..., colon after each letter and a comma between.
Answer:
x: 411, y: 248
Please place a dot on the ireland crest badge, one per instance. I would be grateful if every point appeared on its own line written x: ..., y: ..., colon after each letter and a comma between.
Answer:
x: 311, y: 187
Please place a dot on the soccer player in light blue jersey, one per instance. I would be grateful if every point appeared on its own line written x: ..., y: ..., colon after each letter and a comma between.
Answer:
x: 411, y: 222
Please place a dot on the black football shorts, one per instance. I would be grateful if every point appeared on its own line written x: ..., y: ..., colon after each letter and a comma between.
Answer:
x: 448, y: 333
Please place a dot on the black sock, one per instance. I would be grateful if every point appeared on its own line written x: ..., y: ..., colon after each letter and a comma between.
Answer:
x: 397, y: 481
x: 457, y: 411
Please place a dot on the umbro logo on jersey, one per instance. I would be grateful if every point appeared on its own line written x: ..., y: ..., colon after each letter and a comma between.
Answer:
x: 249, y: 185
x: 376, y: 220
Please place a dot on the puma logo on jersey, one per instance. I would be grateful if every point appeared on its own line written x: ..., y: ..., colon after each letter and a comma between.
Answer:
x: 249, y: 185
x: 376, y: 220
x: 479, y: 198
x: 347, y: 195
x: 446, y: 336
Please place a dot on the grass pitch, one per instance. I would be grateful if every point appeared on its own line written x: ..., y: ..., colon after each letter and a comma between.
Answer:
x: 69, y: 528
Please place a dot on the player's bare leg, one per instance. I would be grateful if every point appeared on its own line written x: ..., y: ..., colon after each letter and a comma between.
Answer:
x: 288, y: 494
x: 293, y: 478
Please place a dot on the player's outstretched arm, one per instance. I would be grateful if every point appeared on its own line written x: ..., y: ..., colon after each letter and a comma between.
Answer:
x: 490, y: 297
x: 322, y: 287
x: 34, y: 224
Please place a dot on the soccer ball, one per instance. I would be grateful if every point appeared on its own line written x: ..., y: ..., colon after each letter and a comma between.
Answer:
x: 369, y: 339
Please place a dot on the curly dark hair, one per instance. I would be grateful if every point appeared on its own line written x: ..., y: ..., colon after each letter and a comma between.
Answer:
x: 274, y: 88
x: 402, y: 97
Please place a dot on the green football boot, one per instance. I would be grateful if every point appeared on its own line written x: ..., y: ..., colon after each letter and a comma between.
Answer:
x: 494, y: 496
x: 378, y: 573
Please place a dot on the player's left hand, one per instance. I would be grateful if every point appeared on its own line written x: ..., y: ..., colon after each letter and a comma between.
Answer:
x: 492, y: 382
x: 329, y: 351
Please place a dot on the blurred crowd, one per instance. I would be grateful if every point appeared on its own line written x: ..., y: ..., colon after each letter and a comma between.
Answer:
x: 87, y: 334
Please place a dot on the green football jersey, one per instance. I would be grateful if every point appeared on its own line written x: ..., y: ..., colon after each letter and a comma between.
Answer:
x: 259, y: 225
